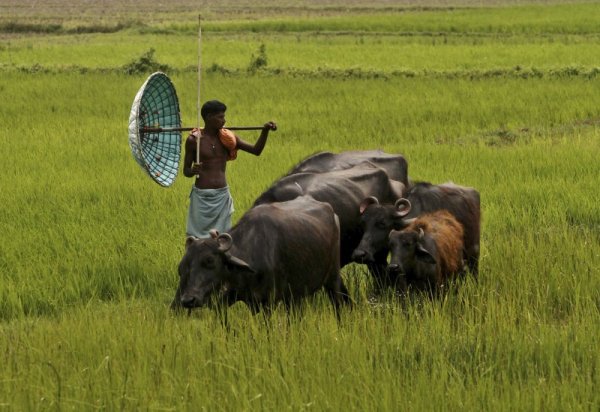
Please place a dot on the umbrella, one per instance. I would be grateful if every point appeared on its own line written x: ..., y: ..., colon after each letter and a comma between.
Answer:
x: 155, y: 129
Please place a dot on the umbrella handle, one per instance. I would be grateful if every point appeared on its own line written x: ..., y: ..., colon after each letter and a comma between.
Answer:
x: 199, y: 78
x: 198, y: 146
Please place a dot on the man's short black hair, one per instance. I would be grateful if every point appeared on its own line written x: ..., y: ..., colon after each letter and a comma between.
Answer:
x: 212, y: 107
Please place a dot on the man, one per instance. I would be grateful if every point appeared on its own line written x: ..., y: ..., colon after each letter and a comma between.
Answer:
x: 211, y: 205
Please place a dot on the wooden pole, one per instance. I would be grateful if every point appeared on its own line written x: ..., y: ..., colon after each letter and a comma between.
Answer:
x: 199, y: 78
x: 187, y: 129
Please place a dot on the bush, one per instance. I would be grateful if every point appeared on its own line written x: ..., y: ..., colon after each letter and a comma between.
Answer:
x: 145, y: 64
x: 260, y: 61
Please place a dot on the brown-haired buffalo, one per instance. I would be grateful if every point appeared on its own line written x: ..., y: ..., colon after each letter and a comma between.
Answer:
x: 427, y: 253
x: 277, y: 252
x: 378, y: 219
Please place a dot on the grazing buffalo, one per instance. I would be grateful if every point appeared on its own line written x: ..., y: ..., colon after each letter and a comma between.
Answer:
x: 277, y: 252
x: 394, y: 164
x: 378, y: 219
x: 427, y: 253
x: 343, y: 190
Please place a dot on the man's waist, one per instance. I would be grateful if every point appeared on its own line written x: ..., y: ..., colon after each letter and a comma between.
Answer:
x: 211, y: 189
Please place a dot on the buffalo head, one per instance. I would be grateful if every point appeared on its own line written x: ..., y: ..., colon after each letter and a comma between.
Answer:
x: 207, y: 269
x: 409, y: 248
x: 377, y: 221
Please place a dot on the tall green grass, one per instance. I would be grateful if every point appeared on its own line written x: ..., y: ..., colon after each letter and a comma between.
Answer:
x: 89, y: 245
x: 476, y: 351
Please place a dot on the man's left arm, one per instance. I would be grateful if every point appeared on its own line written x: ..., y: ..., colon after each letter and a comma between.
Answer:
x: 257, y: 148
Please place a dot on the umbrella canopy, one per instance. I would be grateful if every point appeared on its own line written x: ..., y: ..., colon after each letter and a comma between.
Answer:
x: 156, y: 106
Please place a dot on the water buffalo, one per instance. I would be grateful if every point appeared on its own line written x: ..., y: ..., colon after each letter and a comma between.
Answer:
x: 427, y: 252
x: 343, y: 190
x: 394, y: 164
x: 378, y: 219
x: 281, y: 251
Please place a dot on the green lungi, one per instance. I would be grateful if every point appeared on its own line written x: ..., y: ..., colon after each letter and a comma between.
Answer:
x: 209, y: 209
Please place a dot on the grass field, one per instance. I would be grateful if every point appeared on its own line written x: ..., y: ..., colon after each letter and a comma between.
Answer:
x: 504, y: 98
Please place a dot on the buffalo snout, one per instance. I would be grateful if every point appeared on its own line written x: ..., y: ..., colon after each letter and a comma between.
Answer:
x: 394, y: 268
x: 188, y: 301
x: 195, y: 300
x: 361, y: 256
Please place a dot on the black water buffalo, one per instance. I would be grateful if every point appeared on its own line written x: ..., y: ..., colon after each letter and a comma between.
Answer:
x: 343, y: 190
x: 394, y: 164
x: 380, y: 217
x: 277, y: 252
x: 427, y: 253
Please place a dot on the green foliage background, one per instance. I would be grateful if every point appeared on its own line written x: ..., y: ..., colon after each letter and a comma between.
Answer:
x: 505, y: 99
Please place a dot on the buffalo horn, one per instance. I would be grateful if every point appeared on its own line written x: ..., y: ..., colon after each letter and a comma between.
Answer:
x: 225, y: 241
x: 214, y: 233
x: 421, y: 233
x: 189, y: 240
x: 402, y: 206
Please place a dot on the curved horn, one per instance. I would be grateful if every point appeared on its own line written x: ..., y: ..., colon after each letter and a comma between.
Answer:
x: 189, y: 240
x: 214, y: 233
x: 225, y: 241
x: 421, y: 233
x: 402, y: 206
x: 371, y: 200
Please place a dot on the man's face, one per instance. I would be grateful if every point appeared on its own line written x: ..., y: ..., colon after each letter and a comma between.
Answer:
x: 216, y: 120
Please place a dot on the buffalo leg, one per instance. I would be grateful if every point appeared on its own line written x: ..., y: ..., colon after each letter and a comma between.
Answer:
x: 378, y: 269
x: 401, y: 285
x: 473, y: 264
x: 338, y: 294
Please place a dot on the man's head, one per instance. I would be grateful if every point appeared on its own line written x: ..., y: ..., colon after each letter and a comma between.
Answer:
x: 212, y: 107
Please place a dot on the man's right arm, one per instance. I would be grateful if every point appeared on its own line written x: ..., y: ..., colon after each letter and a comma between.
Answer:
x: 190, y: 157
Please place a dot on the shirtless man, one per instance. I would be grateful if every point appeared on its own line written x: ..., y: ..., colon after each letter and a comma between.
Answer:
x: 211, y: 204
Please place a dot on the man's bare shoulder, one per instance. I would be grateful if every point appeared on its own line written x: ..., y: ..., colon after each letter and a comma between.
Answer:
x: 191, y: 140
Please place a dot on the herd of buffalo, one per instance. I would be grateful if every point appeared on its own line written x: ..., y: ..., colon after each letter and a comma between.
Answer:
x: 330, y: 210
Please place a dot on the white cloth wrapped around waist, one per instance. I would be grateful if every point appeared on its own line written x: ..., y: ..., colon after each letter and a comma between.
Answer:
x: 209, y: 209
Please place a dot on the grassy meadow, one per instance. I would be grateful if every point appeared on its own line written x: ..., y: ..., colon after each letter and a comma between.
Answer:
x: 504, y: 98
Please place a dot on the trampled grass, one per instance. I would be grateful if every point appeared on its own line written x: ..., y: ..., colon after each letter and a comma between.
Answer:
x: 89, y: 245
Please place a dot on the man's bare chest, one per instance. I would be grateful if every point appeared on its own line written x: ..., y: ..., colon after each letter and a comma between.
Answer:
x: 211, y: 147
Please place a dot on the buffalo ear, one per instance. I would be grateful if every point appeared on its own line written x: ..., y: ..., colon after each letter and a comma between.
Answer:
x: 189, y: 240
x: 424, y: 255
x: 371, y: 200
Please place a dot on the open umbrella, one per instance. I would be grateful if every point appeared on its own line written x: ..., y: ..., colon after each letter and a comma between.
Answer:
x: 154, y: 129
